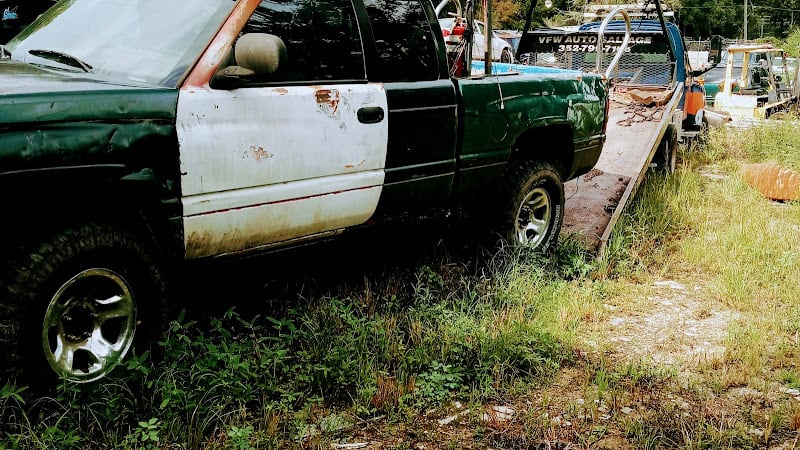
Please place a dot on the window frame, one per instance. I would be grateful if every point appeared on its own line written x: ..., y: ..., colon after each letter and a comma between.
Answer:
x: 365, y: 52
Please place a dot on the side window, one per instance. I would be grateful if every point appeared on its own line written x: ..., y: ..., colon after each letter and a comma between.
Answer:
x: 403, y: 39
x: 322, y: 38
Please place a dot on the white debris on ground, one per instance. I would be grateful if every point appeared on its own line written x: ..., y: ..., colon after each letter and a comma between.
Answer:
x: 447, y: 420
x: 494, y: 414
x: 676, y: 329
x: 498, y: 413
x: 670, y: 284
x: 350, y: 446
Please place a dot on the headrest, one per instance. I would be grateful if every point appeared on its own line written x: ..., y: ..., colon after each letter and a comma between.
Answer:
x: 262, y: 53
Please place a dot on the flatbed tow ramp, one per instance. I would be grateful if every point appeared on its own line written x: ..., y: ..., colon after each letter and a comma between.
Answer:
x: 595, y: 201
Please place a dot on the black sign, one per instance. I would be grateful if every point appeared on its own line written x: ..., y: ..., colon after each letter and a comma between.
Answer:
x: 557, y: 41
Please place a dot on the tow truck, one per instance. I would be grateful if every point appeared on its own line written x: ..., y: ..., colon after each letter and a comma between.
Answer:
x: 654, y: 103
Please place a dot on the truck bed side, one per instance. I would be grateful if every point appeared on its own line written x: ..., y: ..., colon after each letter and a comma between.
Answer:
x: 502, y: 113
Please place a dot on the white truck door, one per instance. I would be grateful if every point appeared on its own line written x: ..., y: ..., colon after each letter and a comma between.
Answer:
x: 297, y: 155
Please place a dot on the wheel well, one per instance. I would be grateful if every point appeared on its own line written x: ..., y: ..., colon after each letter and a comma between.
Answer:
x: 552, y: 144
x: 45, y: 202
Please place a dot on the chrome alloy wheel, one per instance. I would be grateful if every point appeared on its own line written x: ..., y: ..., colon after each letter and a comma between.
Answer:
x: 89, y: 325
x: 533, y: 218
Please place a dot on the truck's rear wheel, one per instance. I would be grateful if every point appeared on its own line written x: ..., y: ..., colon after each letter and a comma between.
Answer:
x: 534, y: 208
x: 666, y: 156
x: 77, y: 299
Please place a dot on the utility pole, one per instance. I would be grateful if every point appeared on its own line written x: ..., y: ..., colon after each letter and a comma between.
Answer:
x: 745, y: 20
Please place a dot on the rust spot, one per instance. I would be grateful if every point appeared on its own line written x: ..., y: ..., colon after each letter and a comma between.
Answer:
x: 282, y: 90
x: 592, y: 173
x: 259, y: 154
x: 352, y: 166
x: 328, y: 101
x: 323, y: 96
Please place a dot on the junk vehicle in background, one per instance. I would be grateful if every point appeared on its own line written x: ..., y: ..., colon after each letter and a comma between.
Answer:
x: 714, y: 79
x: 502, y: 49
x: 198, y: 131
x: 762, y: 84
x: 510, y: 36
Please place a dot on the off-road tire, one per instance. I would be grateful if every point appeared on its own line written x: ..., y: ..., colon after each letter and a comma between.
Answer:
x: 83, y: 265
x: 531, y: 209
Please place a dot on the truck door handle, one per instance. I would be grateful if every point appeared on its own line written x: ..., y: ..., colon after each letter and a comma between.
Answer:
x: 370, y: 114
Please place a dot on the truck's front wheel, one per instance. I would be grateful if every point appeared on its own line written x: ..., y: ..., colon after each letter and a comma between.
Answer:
x: 534, y: 208
x: 77, y: 299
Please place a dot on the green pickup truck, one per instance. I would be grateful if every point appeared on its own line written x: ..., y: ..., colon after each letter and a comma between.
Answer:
x: 136, y: 136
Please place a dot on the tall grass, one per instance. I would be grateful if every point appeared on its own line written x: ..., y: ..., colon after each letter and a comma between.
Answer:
x: 710, y: 228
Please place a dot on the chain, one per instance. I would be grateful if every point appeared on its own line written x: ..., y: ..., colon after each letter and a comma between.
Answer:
x: 639, y: 113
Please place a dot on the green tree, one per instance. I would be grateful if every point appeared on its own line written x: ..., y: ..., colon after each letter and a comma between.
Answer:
x: 781, y: 16
x: 703, y: 18
x: 792, y: 44
x: 511, y: 14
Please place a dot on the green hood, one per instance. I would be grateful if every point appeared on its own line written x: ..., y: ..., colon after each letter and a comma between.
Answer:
x: 53, y: 119
x: 32, y: 94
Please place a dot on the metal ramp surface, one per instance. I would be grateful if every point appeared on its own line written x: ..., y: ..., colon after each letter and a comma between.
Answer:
x: 595, y: 201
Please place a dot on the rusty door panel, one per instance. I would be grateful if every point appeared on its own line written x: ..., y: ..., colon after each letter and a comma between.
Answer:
x: 266, y: 164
